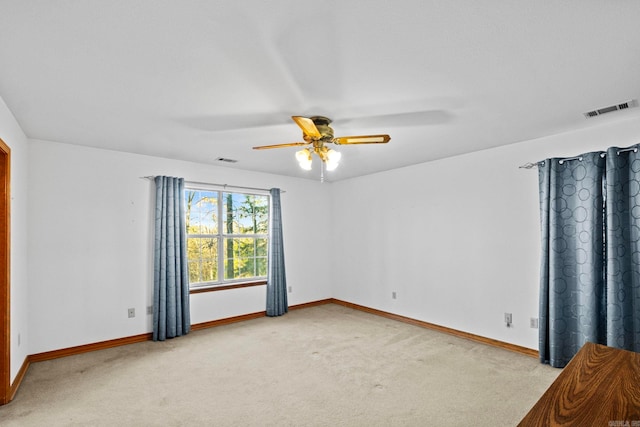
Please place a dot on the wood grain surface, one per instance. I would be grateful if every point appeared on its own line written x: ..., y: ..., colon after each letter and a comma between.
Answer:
x: 599, y: 387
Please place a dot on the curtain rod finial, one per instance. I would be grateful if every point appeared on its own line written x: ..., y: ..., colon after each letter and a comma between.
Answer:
x: 527, y: 166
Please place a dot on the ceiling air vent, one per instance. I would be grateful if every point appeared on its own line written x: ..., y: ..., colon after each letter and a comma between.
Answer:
x: 225, y: 160
x: 611, y: 108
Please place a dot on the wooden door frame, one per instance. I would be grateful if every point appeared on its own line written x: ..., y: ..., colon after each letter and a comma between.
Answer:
x: 5, y: 273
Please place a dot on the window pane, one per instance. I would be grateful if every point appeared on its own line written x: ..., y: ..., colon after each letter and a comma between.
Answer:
x: 241, y: 260
x: 245, y: 213
x: 201, y: 211
x: 202, y: 257
x: 261, y: 247
x: 262, y: 266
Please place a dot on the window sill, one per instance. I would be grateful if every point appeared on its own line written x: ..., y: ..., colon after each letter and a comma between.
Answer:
x: 225, y: 287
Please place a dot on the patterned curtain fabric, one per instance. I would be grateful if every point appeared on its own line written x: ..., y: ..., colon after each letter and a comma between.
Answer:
x: 590, y: 265
x: 276, y: 277
x: 171, y: 317
x: 623, y: 248
x: 572, y: 280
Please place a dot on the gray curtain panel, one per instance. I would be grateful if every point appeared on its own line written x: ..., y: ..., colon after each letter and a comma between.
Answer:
x: 276, y: 276
x: 590, y: 264
x: 171, y: 317
x: 572, y: 280
x: 623, y: 248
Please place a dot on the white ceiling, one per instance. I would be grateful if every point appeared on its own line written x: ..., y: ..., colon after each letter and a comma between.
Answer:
x: 199, y: 80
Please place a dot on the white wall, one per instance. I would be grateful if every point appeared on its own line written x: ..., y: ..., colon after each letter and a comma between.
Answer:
x: 90, y: 243
x: 14, y: 137
x: 457, y: 239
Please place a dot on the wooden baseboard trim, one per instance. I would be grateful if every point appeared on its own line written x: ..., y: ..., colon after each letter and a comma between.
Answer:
x: 18, y: 380
x: 312, y: 304
x: 227, y: 320
x: 256, y: 315
x: 477, y: 338
x: 102, y: 345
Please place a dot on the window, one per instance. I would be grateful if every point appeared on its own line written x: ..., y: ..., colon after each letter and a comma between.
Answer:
x: 226, y: 237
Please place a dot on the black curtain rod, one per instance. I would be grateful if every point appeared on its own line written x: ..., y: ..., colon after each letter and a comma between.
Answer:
x: 603, y: 154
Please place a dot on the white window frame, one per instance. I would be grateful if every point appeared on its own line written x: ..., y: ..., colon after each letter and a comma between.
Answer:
x: 221, y: 235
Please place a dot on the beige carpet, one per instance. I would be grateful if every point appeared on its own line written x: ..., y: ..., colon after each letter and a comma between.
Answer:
x: 321, y: 366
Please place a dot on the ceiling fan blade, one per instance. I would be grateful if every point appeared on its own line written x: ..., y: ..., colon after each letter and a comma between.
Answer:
x: 290, y: 144
x: 308, y: 127
x: 364, y: 139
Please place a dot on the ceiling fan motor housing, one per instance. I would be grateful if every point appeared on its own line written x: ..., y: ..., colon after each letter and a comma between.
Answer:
x: 322, y: 123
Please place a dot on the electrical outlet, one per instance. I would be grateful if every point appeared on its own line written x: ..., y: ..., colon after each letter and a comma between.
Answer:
x: 393, y: 295
x: 290, y: 289
x: 534, y: 323
x: 508, y: 319
x: 149, y: 309
x: 132, y: 312
x: 18, y: 340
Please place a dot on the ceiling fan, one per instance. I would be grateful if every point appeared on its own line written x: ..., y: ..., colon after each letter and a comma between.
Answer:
x: 317, y: 133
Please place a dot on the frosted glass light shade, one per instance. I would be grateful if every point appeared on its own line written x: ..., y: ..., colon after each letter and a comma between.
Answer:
x: 333, y: 159
x: 304, y: 159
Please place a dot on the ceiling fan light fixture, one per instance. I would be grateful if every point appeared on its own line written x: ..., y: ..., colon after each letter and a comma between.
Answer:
x: 317, y: 133
x: 333, y: 159
x: 304, y: 159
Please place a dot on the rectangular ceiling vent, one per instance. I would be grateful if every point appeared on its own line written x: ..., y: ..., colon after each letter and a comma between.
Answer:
x: 225, y: 160
x: 611, y: 108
